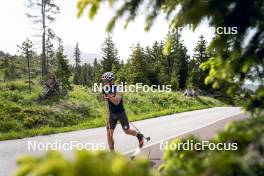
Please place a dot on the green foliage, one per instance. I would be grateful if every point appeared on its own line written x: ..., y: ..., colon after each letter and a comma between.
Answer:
x: 85, y: 164
x: 19, y: 68
x: 234, y: 61
x: 97, y: 71
x: 197, y: 78
x: 177, y: 61
x: 237, y: 57
x: 138, y: 66
x: 174, y: 83
x: 13, y: 85
x: 77, y: 78
x: 183, y: 63
x: 34, y: 117
x: 156, y: 67
x: 21, y: 114
x: 110, y: 55
x: 143, y: 104
x: 21, y: 110
x: 26, y: 51
x: 152, y: 67
x: 88, y: 74
x: 246, y: 160
x: 44, y: 13
x: 63, y: 72
x: 50, y: 51
x: 9, y: 68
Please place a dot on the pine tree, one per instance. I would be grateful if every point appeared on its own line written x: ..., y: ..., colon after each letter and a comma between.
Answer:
x: 172, y: 50
x: 12, y: 69
x: 63, y: 72
x: 77, y: 79
x: 95, y: 63
x: 97, y: 71
x: 27, y: 52
x: 87, y: 75
x: 122, y: 63
x: 50, y: 53
x: 123, y: 73
x: 177, y: 61
x: 6, y: 66
x: 44, y: 16
x: 183, y: 66
x: 110, y: 55
x: 156, y: 60
x: 138, y: 66
x: 197, y: 74
x: 84, y: 75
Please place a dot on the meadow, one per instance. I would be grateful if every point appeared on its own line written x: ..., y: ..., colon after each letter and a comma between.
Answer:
x: 22, y: 114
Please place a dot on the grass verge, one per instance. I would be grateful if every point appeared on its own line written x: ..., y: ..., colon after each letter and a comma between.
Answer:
x: 21, y: 115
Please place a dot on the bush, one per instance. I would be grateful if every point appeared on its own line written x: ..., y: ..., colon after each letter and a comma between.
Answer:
x: 14, y: 96
x: 14, y: 85
x: 18, y: 117
x: 246, y: 161
x: 82, y: 108
x: 85, y: 164
x: 9, y: 124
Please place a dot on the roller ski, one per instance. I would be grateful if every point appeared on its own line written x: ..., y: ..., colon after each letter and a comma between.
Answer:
x: 142, y: 140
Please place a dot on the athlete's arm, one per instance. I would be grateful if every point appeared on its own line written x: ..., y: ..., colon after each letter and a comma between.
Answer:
x: 115, y: 98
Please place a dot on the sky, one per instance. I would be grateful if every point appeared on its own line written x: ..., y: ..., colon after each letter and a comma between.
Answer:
x: 16, y: 27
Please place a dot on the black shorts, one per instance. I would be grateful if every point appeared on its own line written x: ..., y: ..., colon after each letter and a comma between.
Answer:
x: 121, y: 117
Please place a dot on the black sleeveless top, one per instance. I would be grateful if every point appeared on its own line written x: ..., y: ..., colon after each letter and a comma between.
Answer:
x: 112, y: 107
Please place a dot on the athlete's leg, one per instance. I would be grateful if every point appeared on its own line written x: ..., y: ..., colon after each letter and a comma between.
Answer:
x: 110, y: 131
x: 131, y: 132
x: 110, y: 139
x: 125, y: 125
x: 137, y: 134
x: 122, y: 117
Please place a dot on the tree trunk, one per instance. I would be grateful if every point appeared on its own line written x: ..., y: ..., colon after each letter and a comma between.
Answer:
x: 44, y: 61
x: 29, y: 76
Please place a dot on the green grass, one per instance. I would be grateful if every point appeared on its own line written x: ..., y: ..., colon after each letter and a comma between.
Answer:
x: 22, y: 115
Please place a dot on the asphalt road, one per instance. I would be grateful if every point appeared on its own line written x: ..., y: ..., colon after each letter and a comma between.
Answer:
x: 159, y: 129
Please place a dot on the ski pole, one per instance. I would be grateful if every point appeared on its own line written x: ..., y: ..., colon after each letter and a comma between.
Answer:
x: 147, y: 138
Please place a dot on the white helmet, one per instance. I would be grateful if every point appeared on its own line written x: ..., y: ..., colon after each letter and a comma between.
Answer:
x: 108, y: 76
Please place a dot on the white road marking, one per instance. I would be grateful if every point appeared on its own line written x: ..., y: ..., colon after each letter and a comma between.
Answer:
x: 180, y: 134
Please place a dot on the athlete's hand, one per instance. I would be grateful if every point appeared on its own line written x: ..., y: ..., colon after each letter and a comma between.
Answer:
x: 110, y: 96
x: 106, y: 97
x: 115, y: 98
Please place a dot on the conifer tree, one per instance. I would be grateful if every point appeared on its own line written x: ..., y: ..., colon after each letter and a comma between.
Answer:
x: 27, y: 52
x: 77, y: 79
x: 63, y: 72
x: 197, y: 74
x: 42, y: 13
x: 6, y: 66
x: 177, y: 61
x: 110, y: 55
x: 87, y: 75
x: 50, y: 53
x: 138, y: 66
x: 156, y: 60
